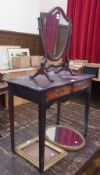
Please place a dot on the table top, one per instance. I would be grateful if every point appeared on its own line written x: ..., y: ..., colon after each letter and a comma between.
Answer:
x: 41, y: 83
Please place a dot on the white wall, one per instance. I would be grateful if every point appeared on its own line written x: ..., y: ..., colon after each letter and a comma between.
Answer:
x: 47, y: 5
x: 19, y: 15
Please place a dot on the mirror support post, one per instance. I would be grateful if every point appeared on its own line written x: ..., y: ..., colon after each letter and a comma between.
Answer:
x: 42, y: 71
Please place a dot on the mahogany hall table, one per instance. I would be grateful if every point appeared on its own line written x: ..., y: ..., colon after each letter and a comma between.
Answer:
x: 45, y: 93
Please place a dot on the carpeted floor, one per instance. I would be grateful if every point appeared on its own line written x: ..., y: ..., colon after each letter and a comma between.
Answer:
x: 91, y: 167
x: 26, y: 127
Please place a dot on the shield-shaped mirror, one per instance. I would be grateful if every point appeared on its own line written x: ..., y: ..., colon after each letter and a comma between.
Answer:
x: 56, y: 32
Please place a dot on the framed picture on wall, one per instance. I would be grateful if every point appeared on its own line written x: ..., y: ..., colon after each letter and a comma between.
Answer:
x: 4, y: 59
x: 16, y: 56
x: 4, y: 56
x: 18, y: 52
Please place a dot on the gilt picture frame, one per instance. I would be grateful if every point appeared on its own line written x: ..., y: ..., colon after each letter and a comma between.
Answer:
x: 16, y: 53
x: 29, y: 150
x: 4, y: 59
x: 4, y: 56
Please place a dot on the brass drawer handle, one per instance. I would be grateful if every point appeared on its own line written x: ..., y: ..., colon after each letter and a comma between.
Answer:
x: 60, y: 91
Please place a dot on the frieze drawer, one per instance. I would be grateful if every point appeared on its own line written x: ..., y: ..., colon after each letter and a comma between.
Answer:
x: 65, y: 90
x: 81, y: 85
x: 58, y: 92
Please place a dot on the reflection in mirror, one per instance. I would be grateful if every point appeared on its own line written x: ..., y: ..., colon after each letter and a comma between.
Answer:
x: 65, y: 137
x: 55, y: 31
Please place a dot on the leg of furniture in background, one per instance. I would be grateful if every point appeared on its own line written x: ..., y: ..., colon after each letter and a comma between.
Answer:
x: 3, y: 92
x: 96, y: 89
x: 2, y: 101
x: 58, y: 111
x: 87, y: 101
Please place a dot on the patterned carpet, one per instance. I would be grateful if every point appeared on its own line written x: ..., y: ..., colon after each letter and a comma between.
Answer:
x: 26, y: 127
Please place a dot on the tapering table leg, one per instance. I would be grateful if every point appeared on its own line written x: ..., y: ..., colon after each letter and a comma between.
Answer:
x: 87, y: 104
x: 11, y: 118
x: 42, y: 119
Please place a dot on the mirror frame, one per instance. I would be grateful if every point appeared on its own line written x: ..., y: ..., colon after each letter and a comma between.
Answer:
x: 70, y: 148
x: 42, y: 34
x: 44, y: 69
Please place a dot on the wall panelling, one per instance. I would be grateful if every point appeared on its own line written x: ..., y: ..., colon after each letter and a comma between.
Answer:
x: 25, y: 40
